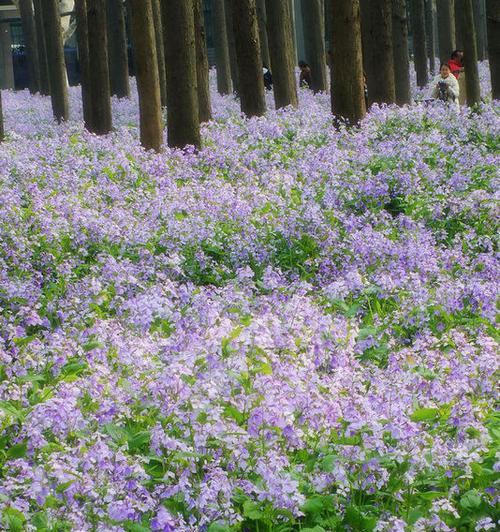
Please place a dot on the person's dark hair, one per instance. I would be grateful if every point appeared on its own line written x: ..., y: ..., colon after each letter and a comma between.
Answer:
x: 303, y: 64
x: 446, y: 65
x: 455, y: 53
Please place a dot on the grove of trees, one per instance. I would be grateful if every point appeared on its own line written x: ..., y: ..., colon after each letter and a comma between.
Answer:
x: 369, y: 48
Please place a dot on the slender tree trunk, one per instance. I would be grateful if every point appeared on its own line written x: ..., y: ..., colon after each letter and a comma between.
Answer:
x: 183, y: 123
x: 480, y: 23
x: 294, y: 32
x: 376, y: 25
x: 429, y: 32
x: 42, y: 49
x: 98, y: 67
x: 57, y: 66
x: 160, y: 51
x: 264, y: 43
x: 493, y: 24
x: 221, y: 48
x: 117, y: 49
x: 82, y: 39
x: 279, y: 26
x: 29, y: 31
x: 2, y: 130
x: 446, y: 29
x: 400, y: 50
x: 348, y: 97
x: 314, y: 40
x: 419, y: 42
x: 146, y: 64
x: 250, y: 75
x: 468, y: 32
x: 458, y: 30
x: 202, y: 68
x: 232, y: 45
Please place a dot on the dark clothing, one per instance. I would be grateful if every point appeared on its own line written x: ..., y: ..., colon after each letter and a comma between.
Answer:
x: 268, y: 79
x: 305, y: 77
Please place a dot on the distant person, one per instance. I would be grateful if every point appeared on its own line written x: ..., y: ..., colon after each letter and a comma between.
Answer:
x: 456, y: 64
x: 305, y: 79
x: 445, y: 86
x: 365, y: 89
x: 268, y: 78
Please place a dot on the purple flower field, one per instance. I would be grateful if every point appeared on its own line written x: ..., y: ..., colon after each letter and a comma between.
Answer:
x: 293, y: 329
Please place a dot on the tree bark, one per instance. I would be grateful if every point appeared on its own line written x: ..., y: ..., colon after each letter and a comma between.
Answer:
x: 221, y: 48
x: 42, y: 49
x: 458, y: 30
x: 376, y: 25
x: 98, y: 67
x: 117, y: 49
x: 2, y: 130
x: 202, y: 68
x: 231, y: 43
x: 183, y: 122
x: 29, y: 31
x: 279, y: 27
x: 314, y: 40
x: 400, y: 50
x: 480, y: 23
x: 160, y: 51
x: 56, y: 64
x: 493, y: 25
x: 250, y: 75
x: 429, y: 32
x: 348, y: 98
x: 146, y: 64
x: 419, y: 42
x: 446, y: 29
x: 82, y: 38
x: 468, y: 32
x: 263, y: 34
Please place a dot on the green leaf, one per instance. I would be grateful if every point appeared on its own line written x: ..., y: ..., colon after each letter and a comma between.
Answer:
x: 139, y: 441
x: 317, y: 528
x: 12, y: 410
x: 251, y: 510
x: 13, y: 519
x: 425, y: 414
x: 118, y: 434
x: 232, y: 412
x: 470, y: 500
x: 17, y: 451
x: 327, y: 463
x: 136, y: 527
x: 219, y: 527
x: 90, y: 346
x: 313, y: 505
x: 431, y: 495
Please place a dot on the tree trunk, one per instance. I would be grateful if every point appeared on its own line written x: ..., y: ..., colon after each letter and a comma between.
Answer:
x: 314, y: 41
x: 480, y: 23
x: 231, y: 43
x: 458, y: 30
x: 221, y: 48
x: 446, y: 29
x: 429, y: 31
x: 493, y: 24
x: 250, y: 75
x: 400, y: 50
x: 29, y: 32
x: 82, y: 38
x: 468, y: 32
x: 376, y: 25
x: 146, y: 70
x: 264, y: 43
x: 419, y: 41
x: 57, y: 66
x: 117, y: 49
x: 98, y: 67
x: 183, y: 123
x: 348, y: 97
x: 160, y: 51
x: 279, y: 26
x: 202, y: 68
x: 42, y: 49
x: 294, y: 32
x: 2, y: 131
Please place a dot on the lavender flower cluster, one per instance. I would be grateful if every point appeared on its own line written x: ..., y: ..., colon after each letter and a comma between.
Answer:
x: 292, y: 329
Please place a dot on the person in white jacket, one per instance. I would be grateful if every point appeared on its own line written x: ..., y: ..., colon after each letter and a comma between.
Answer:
x: 445, y: 86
